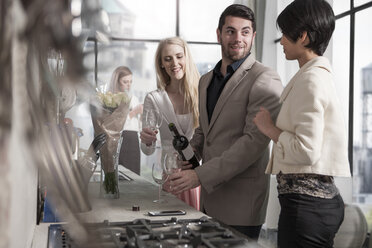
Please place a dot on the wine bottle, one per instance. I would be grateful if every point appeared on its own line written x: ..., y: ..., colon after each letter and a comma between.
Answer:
x: 182, y: 146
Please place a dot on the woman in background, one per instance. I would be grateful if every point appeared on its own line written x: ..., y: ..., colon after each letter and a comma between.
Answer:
x: 176, y: 98
x: 310, y: 141
x: 121, y: 81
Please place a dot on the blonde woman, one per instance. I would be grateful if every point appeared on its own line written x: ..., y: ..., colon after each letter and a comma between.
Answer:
x: 176, y: 98
x: 121, y: 81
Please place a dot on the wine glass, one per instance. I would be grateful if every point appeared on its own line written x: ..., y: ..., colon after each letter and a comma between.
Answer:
x: 170, y: 166
x: 159, y: 176
x: 170, y: 163
x: 153, y: 120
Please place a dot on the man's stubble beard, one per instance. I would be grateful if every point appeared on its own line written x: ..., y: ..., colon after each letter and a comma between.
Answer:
x: 231, y: 57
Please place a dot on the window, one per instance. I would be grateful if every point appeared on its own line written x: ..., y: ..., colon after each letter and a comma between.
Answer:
x: 195, y: 24
x: 360, y: 2
x: 353, y: 64
x: 141, y: 19
x: 363, y: 109
x: 138, y: 56
x: 340, y: 6
x: 340, y: 49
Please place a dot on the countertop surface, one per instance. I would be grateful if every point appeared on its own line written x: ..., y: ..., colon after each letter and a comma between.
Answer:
x: 138, y: 191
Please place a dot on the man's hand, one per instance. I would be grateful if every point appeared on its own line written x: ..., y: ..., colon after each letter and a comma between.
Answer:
x: 183, y: 180
x: 184, y: 165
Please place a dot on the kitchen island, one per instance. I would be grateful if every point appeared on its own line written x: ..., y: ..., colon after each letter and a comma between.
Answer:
x: 138, y: 192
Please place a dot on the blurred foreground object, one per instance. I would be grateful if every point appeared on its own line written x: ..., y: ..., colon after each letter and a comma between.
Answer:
x: 39, y: 57
x: 353, y: 230
x: 88, y: 164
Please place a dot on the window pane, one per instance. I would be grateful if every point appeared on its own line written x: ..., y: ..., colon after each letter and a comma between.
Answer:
x: 80, y: 113
x: 341, y: 6
x: 88, y: 61
x: 138, y: 56
x: 141, y: 19
x: 199, y: 19
x: 205, y: 56
x: 360, y: 2
x: 362, y: 188
x: 283, y: 4
x: 340, y: 47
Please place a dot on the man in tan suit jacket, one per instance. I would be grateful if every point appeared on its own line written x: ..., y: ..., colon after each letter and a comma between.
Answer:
x: 234, y: 188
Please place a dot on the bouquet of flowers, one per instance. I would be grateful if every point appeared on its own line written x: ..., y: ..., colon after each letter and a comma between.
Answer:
x: 109, y: 113
x: 112, y: 100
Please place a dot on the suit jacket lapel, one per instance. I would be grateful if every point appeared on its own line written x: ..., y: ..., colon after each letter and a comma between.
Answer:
x: 230, y: 86
x: 203, y: 86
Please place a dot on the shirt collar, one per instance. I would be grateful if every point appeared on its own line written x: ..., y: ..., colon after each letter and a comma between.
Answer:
x: 230, y: 68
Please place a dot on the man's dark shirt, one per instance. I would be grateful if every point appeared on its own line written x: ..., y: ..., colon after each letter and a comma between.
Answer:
x: 218, y: 83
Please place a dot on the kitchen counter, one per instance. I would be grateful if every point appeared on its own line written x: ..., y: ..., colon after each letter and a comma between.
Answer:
x: 138, y: 192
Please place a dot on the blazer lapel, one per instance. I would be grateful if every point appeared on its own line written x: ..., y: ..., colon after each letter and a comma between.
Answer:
x: 203, y: 86
x: 230, y: 86
x: 318, y: 61
x: 288, y: 88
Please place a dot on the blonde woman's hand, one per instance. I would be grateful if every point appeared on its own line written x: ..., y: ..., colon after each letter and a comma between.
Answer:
x: 148, y: 136
x: 136, y: 111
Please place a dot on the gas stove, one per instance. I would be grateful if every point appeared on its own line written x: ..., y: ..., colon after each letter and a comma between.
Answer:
x: 203, y: 232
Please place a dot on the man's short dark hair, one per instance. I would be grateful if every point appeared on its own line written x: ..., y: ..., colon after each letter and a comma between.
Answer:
x: 237, y: 10
x: 316, y: 17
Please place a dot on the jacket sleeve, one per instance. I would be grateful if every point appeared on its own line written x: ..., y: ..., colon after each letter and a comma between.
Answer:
x: 197, y: 142
x: 252, y: 144
x: 302, y: 146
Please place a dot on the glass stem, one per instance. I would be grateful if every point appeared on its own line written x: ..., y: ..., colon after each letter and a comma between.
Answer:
x: 159, y: 192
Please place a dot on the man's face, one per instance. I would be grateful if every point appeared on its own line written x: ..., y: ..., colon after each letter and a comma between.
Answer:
x: 236, y: 38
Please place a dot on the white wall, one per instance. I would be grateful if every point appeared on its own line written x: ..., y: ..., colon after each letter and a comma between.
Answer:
x: 22, y: 177
x: 269, y: 57
x: 23, y: 196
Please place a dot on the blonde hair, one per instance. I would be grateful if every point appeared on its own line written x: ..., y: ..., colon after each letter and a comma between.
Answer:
x: 119, y: 72
x: 189, y: 87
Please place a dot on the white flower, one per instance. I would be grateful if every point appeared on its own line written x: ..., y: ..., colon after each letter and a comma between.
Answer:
x: 113, y: 100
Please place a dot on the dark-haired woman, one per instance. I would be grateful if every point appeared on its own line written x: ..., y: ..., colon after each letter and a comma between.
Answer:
x: 310, y: 142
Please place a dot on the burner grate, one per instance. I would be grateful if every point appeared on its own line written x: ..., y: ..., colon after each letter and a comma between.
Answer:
x: 203, y: 232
